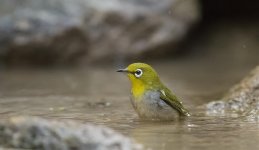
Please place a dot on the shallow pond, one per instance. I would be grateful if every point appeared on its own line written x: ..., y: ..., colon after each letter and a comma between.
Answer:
x: 100, y: 95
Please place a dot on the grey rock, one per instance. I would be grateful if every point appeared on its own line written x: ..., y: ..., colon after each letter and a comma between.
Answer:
x: 39, y: 32
x: 61, y: 31
x: 242, y: 99
x: 122, y: 29
x: 37, y: 133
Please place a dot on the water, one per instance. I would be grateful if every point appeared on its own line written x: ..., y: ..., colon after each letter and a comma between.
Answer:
x: 100, y: 95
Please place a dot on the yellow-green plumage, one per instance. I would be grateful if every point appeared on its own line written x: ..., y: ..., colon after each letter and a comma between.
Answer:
x: 150, y: 98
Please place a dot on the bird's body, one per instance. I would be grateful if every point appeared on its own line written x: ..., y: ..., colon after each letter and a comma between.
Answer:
x: 149, y: 97
x: 150, y: 106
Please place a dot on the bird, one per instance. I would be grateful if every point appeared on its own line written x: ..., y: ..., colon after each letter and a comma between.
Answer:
x: 150, y: 98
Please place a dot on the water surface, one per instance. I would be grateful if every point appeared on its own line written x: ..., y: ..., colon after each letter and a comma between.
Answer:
x: 100, y: 95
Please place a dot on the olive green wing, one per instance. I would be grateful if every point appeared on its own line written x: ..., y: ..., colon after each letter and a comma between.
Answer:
x: 173, y: 101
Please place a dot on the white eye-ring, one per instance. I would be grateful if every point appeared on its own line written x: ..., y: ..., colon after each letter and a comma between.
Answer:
x: 138, y: 73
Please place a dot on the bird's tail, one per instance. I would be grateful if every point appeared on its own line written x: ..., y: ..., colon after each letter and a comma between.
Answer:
x: 185, y: 112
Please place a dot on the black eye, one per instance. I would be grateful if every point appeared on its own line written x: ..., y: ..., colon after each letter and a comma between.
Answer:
x: 138, y: 73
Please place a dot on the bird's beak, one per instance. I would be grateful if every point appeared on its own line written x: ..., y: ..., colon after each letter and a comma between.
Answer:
x: 123, y: 70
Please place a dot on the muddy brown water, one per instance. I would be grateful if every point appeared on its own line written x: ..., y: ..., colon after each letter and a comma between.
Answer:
x: 100, y: 95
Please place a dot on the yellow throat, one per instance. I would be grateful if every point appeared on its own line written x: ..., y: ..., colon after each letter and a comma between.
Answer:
x: 138, y: 87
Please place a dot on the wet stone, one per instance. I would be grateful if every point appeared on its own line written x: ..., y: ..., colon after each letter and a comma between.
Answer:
x: 242, y: 99
x: 47, y: 32
x: 37, y: 133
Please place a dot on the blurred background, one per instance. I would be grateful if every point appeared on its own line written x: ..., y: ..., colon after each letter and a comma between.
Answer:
x: 40, y: 33
x: 73, y: 47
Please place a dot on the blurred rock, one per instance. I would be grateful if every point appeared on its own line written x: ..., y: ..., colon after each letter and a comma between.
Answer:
x: 122, y: 29
x: 242, y: 99
x: 63, y: 31
x: 36, y: 133
x: 40, y: 32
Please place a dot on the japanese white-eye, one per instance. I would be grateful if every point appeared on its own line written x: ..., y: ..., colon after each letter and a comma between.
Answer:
x: 150, y: 97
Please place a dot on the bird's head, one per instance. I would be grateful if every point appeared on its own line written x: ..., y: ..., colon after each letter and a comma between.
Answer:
x: 141, y: 74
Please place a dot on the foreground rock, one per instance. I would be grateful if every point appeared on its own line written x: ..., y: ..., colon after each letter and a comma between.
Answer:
x: 36, y: 133
x: 65, y: 31
x: 242, y: 99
